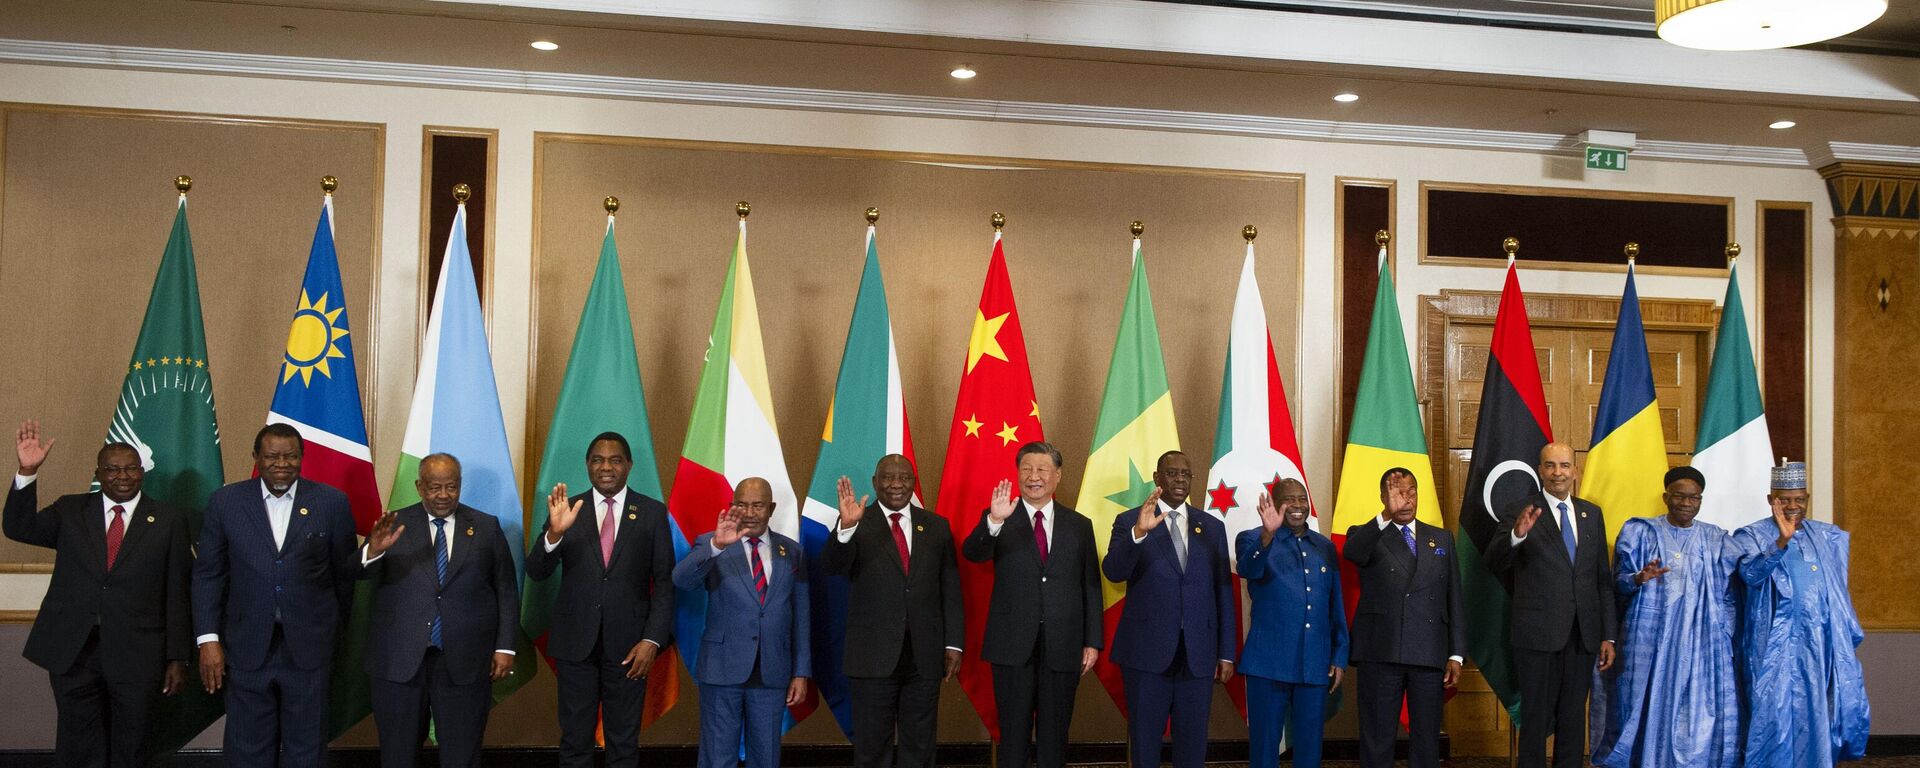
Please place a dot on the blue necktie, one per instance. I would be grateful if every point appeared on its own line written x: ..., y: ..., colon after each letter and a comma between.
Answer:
x: 1406, y: 532
x: 1566, y: 529
x: 440, y: 567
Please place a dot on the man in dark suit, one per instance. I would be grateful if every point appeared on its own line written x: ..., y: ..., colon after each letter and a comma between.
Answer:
x: 272, y: 584
x: 757, y: 650
x: 1045, y: 630
x: 1562, y: 608
x: 446, y: 609
x: 113, y: 631
x: 614, y: 611
x: 1176, y: 634
x: 1409, y: 631
x: 904, y: 627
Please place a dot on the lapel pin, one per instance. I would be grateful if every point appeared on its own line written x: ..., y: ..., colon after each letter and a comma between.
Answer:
x: 1196, y: 529
x: 632, y: 516
x: 632, y: 507
x: 303, y: 510
x: 149, y: 518
x: 783, y: 551
x: 469, y: 530
x: 1583, y: 515
x: 1431, y: 544
x: 919, y: 528
x: 1814, y: 567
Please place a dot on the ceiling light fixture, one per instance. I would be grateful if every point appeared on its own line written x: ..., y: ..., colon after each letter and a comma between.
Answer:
x: 1781, y: 125
x: 545, y: 45
x: 1346, y: 98
x: 963, y: 72
x: 1751, y: 25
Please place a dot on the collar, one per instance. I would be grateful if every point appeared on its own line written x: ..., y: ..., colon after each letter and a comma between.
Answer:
x: 1554, y: 502
x: 619, y: 499
x: 1046, y: 509
x: 889, y: 513
x: 130, y: 504
x: 1184, y: 509
x: 267, y: 495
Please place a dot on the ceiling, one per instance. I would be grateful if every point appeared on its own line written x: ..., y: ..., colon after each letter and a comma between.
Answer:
x: 634, y: 44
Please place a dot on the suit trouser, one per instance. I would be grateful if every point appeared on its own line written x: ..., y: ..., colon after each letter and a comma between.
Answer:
x: 594, y: 692
x: 1381, y: 686
x: 1034, y: 699
x: 1176, y: 694
x: 101, y: 722
x: 904, y: 702
x: 1554, y: 685
x: 277, y: 714
x: 753, y: 710
x: 458, y: 711
x: 1273, y: 706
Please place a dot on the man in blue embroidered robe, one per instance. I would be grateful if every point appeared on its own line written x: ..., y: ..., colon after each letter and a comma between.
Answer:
x: 1674, y: 703
x: 1806, y: 699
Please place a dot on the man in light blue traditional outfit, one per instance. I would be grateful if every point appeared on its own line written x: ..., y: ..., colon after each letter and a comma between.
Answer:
x: 1806, y: 698
x: 1675, y: 701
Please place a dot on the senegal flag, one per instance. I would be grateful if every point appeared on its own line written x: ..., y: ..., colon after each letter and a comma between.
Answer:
x: 1629, y: 454
x: 1135, y: 426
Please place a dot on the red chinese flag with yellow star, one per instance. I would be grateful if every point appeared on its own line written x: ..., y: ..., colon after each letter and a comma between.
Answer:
x: 994, y: 414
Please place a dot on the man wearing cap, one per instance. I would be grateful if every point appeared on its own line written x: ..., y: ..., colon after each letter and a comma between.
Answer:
x: 1675, y: 701
x: 1806, y: 699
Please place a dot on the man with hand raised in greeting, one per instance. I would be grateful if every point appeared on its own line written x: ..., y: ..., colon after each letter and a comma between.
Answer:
x: 1297, y: 636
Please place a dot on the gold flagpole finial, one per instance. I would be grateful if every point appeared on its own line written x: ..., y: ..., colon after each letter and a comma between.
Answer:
x: 328, y: 184
x: 183, y: 183
x: 1249, y: 232
x: 461, y: 192
x: 1632, y: 250
x: 741, y: 209
x: 998, y: 220
x: 612, y: 204
x: 873, y: 215
x: 1510, y: 246
x: 1733, y: 252
x: 1136, y: 227
x: 1382, y: 238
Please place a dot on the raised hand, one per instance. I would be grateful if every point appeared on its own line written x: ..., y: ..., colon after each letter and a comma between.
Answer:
x: 560, y: 513
x: 1270, y: 517
x: 385, y: 532
x: 30, y: 449
x: 1150, y: 515
x: 1651, y: 572
x: 726, y: 530
x: 1785, y: 522
x: 1524, y: 523
x: 1001, y: 507
x: 851, y: 509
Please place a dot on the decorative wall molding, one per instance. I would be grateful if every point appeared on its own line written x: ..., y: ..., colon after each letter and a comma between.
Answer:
x: 817, y: 99
x: 1855, y: 152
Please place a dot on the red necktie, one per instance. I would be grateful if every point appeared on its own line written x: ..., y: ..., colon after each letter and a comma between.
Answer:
x: 900, y: 541
x: 116, y: 531
x: 759, y: 569
x: 1040, y: 534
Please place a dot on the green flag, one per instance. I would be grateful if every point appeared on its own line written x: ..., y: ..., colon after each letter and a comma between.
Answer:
x: 166, y: 413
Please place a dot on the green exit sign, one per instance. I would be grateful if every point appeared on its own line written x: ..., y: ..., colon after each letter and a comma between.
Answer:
x: 1606, y: 159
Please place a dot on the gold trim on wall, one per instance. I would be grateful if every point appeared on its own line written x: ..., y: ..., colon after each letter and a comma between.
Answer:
x: 1340, y: 183
x: 18, y: 617
x: 485, y: 280
x: 34, y: 568
x: 1569, y: 266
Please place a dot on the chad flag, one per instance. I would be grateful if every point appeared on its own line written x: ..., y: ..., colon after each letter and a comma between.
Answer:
x: 1629, y: 454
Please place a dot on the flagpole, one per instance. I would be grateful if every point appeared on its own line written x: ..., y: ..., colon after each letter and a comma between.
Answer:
x: 1733, y: 254
x: 183, y: 183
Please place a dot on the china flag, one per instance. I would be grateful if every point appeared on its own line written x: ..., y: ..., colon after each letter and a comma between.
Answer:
x: 994, y: 414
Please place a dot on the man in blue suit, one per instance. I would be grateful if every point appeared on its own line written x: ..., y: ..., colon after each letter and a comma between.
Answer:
x: 272, y: 584
x: 1176, y: 634
x: 1297, y: 644
x: 756, y: 652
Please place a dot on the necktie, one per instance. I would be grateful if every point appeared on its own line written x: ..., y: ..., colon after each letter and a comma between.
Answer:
x: 1566, y: 529
x: 606, y: 535
x: 1406, y: 532
x: 759, y: 569
x: 1179, y: 539
x: 1040, y: 534
x: 116, y: 531
x: 440, y: 568
x: 900, y: 541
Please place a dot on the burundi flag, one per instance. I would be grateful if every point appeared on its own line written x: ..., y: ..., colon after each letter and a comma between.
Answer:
x: 1512, y: 428
x: 1734, y: 450
x: 866, y: 419
x: 1386, y: 431
x: 993, y: 415
x: 456, y: 410
x: 166, y: 413
x: 1135, y: 426
x: 317, y: 391
x: 731, y: 436
x: 1628, y: 456
x: 600, y: 392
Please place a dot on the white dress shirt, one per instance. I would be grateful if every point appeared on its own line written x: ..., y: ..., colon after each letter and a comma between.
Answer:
x: 599, y: 513
x: 1046, y: 524
x: 1186, y: 516
x: 106, y: 508
x: 766, y: 559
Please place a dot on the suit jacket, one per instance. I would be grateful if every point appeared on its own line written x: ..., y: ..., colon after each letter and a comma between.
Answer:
x: 242, y: 582
x: 479, y: 606
x: 1551, y: 592
x: 1167, y: 605
x: 140, y: 605
x: 887, y: 604
x: 1410, y: 608
x: 1062, y: 595
x: 617, y: 603
x: 1298, y: 627
x: 739, y: 628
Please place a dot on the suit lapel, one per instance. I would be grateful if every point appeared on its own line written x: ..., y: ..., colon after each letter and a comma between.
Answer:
x: 460, y: 526
x: 93, y: 520
x: 1550, y: 517
x: 257, y: 516
x: 296, y: 519
x: 917, y: 552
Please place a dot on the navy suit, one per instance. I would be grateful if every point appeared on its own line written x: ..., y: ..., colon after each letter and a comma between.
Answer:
x: 479, y: 609
x: 1298, y: 634
x: 1177, y: 623
x: 278, y: 611
x: 750, y: 650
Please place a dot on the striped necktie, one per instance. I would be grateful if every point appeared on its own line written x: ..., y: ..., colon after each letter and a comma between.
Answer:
x: 759, y: 569
x: 439, y: 567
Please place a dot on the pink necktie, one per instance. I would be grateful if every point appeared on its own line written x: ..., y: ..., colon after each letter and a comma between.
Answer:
x: 1040, y: 534
x: 606, y: 535
x: 116, y: 531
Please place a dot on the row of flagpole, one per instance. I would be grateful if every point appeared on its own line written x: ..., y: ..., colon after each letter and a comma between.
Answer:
x: 733, y: 434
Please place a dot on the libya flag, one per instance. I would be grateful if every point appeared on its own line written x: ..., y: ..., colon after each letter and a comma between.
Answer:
x: 1511, y: 430
x: 1135, y: 426
x: 1735, y: 452
x: 166, y: 413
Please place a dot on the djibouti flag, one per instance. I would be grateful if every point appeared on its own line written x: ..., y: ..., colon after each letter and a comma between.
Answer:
x: 1734, y: 450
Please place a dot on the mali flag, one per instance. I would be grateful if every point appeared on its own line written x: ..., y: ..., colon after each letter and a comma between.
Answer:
x: 993, y: 415
x: 1135, y: 426
x: 866, y: 420
x: 1628, y: 456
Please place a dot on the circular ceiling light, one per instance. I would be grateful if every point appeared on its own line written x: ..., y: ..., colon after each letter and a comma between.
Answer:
x: 1781, y: 125
x: 545, y: 45
x: 963, y: 72
x: 1751, y: 25
x: 1346, y: 98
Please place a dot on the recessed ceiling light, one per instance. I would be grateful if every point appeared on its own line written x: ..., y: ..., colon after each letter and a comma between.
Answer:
x: 545, y: 45
x: 1781, y: 125
x: 963, y: 72
x: 1345, y: 98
